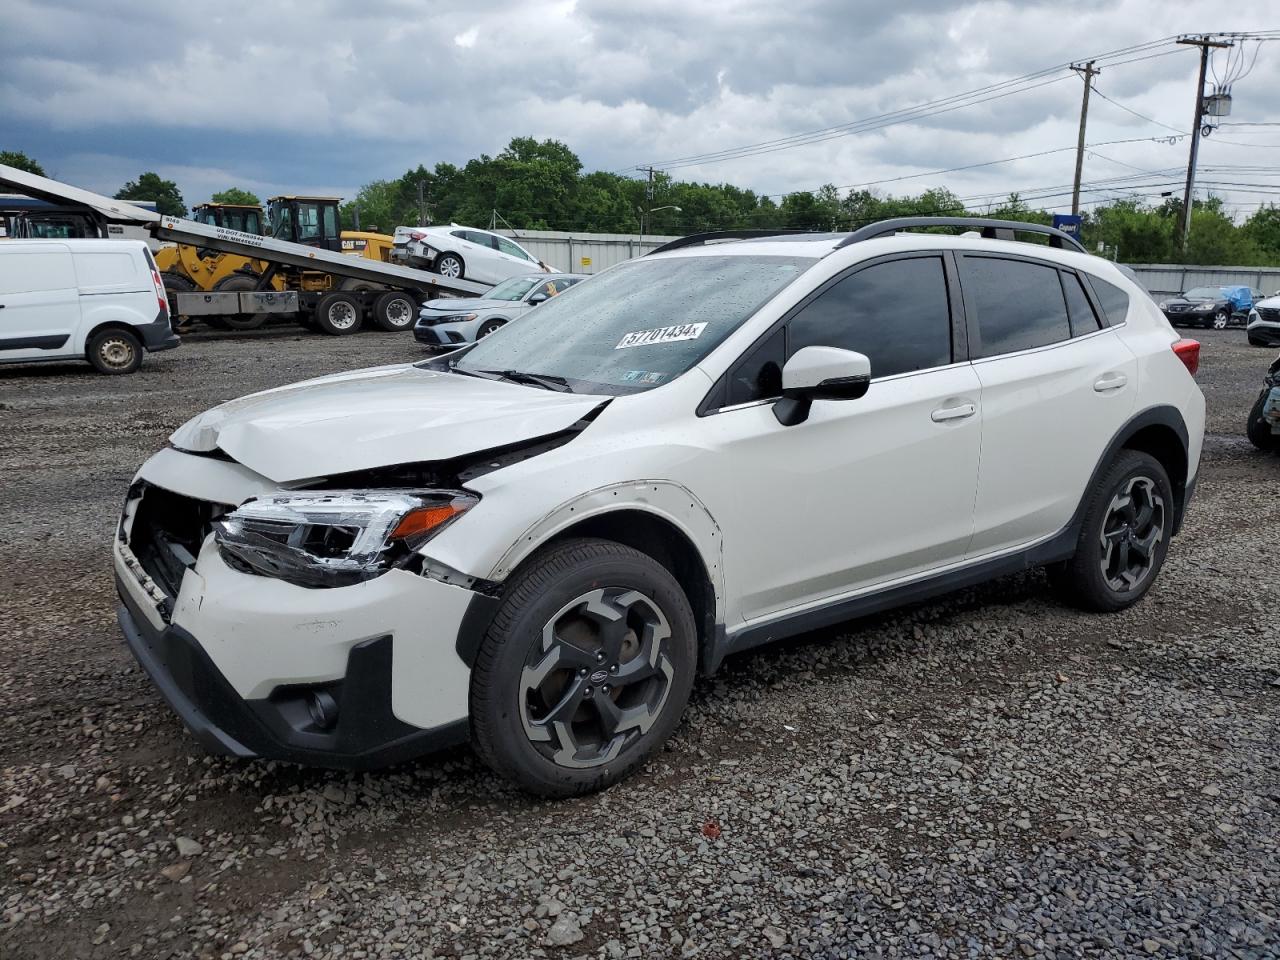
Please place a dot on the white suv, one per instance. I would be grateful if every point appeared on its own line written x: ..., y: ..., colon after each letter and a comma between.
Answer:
x: 536, y: 542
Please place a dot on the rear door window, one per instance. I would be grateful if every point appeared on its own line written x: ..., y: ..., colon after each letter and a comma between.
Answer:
x: 1019, y: 305
x: 1079, y: 309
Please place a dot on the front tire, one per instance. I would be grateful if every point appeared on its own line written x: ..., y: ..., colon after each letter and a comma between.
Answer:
x: 114, y: 351
x: 584, y: 671
x: 1220, y: 320
x: 1124, y: 538
x: 489, y: 328
x: 1258, y: 430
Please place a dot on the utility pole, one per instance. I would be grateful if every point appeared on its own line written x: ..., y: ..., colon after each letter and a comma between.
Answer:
x: 648, y: 201
x: 1088, y: 72
x: 1205, y: 45
x: 424, y: 204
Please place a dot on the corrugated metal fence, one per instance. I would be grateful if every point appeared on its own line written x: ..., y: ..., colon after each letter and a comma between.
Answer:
x: 1165, y: 279
x: 583, y: 252
x: 593, y: 252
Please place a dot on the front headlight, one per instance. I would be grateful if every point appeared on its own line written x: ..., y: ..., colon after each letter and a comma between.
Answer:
x: 335, y: 538
x: 1164, y: 304
x: 1204, y: 308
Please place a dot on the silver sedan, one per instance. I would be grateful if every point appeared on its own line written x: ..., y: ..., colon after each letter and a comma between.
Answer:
x: 454, y: 321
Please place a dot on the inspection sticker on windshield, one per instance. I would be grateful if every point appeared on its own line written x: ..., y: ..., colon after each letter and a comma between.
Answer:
x: 677, y: 331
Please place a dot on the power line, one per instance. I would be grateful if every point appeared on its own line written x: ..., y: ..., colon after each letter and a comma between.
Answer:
x: 1140, y: 116
x: 919, y: 111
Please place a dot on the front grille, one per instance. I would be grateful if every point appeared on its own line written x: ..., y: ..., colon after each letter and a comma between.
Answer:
x: 167, y: 532
x: 1269, y: 313
x: 1178, y: 308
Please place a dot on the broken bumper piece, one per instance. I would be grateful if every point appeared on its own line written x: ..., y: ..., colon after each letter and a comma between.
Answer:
x: 346, y: 723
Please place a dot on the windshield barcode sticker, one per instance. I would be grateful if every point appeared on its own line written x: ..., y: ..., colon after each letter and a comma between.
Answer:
x: 678, y: 331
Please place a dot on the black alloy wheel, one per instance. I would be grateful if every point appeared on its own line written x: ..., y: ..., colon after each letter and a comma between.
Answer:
x: 585, y: 670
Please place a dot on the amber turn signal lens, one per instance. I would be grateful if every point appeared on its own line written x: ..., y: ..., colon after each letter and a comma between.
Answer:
x: 425, y: 519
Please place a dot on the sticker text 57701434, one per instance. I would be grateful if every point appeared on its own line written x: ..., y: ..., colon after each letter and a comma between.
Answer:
x: 677, y: 331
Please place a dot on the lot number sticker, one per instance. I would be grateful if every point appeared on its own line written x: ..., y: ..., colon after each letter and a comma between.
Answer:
x: 677, y: 331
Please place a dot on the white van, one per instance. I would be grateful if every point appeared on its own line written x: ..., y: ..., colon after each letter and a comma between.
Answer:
x: 100, y: 300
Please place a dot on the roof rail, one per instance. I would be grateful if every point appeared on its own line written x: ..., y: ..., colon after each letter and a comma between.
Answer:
x: 991, y: 229
x: 697, y: 238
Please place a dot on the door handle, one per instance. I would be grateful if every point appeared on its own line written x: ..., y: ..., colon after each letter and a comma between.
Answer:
x: 1110, y: 381
x: 959, y: 412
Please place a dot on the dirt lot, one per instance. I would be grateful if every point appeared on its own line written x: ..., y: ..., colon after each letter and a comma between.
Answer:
x: 986, y: 775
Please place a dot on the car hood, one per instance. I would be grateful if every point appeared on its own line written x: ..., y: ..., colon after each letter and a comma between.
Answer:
x: 462, y: 305
x: 1183, y: 301
x: 377, y: 417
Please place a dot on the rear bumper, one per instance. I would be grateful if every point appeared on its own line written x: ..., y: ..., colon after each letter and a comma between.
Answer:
x: 158, y: 335
x: 365, y: 734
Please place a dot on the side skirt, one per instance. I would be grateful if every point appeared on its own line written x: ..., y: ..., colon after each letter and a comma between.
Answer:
x: 1059, y: 547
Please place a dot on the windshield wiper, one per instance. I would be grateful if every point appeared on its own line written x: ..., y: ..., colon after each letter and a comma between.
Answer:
x: 547, y: 381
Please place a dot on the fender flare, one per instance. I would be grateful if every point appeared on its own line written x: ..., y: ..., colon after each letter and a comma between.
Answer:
x: 665, y: 499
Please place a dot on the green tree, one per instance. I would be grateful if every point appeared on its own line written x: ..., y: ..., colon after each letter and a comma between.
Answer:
x: 150, y: 186
x: 236, y: 195
x: 16, y: 158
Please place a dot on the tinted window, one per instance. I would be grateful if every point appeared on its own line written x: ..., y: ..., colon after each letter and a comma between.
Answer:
x: 758, y: 375
x: 1115, y: 302
x: 896, y: 313
x: 1020, y: 305
x: 1083, y: 319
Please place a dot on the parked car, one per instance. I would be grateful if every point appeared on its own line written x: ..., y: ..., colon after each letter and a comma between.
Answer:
x: 538, y: 541
x: 464, y: 252
x: 1208, y: 306
x: 96, y: 300
x: 1263, y: 424
x: 1264, y: 322
x: 456, y: 320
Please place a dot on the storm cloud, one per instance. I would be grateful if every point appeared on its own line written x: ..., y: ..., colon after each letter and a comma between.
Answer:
x: 325, y: 96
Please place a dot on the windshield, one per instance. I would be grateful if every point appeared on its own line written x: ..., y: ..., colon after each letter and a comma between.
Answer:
x: 512, y: 289
x: 637, y: 326
x: 1204, y: 293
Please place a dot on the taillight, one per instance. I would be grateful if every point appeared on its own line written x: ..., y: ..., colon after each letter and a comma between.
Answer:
x: 1188, y: 352
x: 417, y: 235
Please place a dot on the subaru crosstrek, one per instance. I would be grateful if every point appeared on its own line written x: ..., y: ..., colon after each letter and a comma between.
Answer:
x: 536, y: 542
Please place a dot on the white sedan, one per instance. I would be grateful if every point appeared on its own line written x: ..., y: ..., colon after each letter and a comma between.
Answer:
x: 464, y: 252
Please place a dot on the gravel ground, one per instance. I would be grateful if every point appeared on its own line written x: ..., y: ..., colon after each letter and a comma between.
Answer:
x: 989, y: 775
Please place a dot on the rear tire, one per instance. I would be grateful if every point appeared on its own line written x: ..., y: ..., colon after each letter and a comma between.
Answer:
x: 450, y: 265
x: 395, y: 311
x: 1258, y: 430
x: 584, y: 671
x: 114, y: 351
x: 338, y: 314
x: 1128, y: 522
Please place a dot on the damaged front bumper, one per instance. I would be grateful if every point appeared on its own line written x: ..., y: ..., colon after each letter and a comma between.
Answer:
x: 356, y: 677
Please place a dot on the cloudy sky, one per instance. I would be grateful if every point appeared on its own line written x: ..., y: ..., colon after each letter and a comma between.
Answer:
x: 323, y: 95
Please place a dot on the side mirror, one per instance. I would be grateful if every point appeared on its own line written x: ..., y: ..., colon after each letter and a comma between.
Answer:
x: 820, y: 373
x: 537, y: 298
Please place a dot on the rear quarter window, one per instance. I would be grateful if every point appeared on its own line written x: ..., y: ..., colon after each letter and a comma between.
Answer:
x: 1114, y: 301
